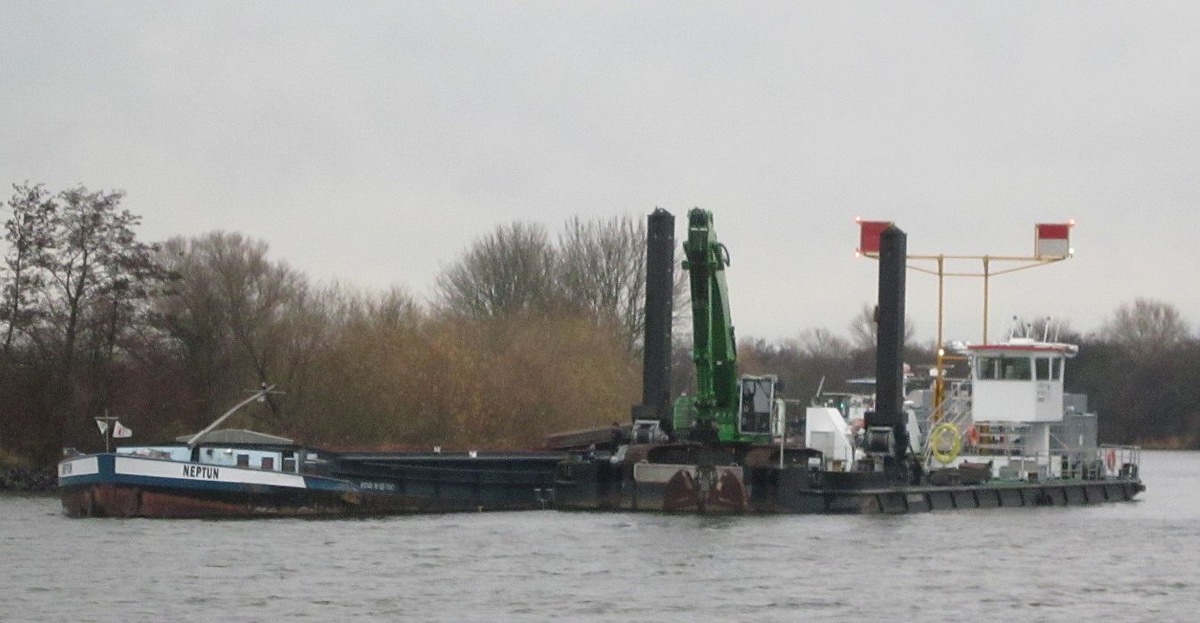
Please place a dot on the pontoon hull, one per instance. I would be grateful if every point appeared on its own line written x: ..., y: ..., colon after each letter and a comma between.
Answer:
x: 583, y: 485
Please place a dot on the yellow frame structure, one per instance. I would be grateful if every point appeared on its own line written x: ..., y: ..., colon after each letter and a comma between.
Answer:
x: 1026, y: 262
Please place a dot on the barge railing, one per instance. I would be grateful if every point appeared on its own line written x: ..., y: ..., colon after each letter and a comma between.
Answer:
x: 1108, y: 461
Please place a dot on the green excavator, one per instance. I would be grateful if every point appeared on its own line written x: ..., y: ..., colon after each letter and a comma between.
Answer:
x: 725, y: 408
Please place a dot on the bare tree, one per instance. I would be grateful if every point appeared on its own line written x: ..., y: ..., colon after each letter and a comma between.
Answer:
x: 864, y: 330
x: 394, y: 307
x: 236, y: 314
x: 96, y: 253
x: 507, y: 272
x: 1147, y: 326
x: 29, y: 232
x: 821, y: 343
x: 598, y: 268
x: 602, y: 270
x: 81, y: 281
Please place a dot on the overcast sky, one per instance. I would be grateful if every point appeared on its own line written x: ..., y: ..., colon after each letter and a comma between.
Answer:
x: 373, y: 142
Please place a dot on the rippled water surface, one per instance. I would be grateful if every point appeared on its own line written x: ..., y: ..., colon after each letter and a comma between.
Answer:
x: 1118, y: 562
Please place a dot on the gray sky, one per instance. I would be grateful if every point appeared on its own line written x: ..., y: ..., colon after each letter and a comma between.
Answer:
x: 372, y: 142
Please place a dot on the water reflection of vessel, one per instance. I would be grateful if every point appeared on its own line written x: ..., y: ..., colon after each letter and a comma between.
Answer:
x: 1005, y: 438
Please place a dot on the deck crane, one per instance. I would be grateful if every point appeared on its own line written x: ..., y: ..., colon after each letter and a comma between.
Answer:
x: 724, y: 408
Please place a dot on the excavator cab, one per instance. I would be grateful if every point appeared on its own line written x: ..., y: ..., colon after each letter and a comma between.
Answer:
x: 757, y: 407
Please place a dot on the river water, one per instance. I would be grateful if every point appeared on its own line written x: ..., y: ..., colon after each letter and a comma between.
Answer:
x: 1121, y: 562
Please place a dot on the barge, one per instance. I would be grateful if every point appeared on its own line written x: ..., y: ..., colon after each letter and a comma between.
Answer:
x: 1003, y: 438
x: 226, y: 473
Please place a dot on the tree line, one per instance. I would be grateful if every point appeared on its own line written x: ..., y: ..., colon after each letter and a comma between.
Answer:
x: 529, y: 332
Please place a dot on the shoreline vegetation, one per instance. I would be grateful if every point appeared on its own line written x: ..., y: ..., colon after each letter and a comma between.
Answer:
x: 528, y: 332
x: 28, y: 480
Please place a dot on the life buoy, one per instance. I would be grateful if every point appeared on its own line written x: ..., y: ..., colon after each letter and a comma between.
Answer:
x: 1110, y: 459
x: 945, y: 442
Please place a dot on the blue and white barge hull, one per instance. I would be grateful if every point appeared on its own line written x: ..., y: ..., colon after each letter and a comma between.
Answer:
x: 247, y: 474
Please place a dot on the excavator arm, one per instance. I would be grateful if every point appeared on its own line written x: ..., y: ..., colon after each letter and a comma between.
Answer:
x: 714, y: 346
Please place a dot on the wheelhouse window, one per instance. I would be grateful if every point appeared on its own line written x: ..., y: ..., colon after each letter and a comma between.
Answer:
x: 1005, y: 368
x: 1042, y: 368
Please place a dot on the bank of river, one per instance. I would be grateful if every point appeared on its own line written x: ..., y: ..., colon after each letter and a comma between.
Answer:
x: 27, y: 480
